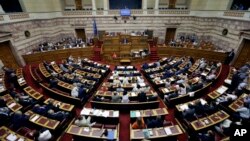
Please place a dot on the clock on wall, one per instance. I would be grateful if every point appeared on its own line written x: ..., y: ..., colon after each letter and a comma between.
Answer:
x: 224, y: 32
x: 27, y: 33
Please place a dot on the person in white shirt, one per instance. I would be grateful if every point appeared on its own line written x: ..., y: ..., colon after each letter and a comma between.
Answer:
x: 125, y: 80
x: 182, y: 90
x: 83, y: 122
x: 43, y: 136
x: 136, y: 88
x: 125, y: 98
x: 74, y: 91
x: 116, y: 81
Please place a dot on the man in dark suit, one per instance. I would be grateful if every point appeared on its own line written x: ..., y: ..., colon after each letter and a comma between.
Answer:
x: 142, y: 97
x: 230, y: 57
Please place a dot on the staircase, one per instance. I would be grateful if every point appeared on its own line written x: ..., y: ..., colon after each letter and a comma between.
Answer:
x: 154, y: 55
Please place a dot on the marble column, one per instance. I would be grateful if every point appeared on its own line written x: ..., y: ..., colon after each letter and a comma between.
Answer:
x: 93, y: 7
x: 144, y: 6
x: 106, y: 7
x: 156, y: 6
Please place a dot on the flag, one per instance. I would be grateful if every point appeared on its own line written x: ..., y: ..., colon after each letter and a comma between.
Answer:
x: 95, y: 28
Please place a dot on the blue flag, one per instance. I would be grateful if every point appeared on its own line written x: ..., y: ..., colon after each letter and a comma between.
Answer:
x: 94, y: 28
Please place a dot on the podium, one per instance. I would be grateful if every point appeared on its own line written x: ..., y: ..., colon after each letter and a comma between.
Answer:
x: 125, y: 61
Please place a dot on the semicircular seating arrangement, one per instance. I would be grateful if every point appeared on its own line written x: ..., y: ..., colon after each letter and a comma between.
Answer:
x: 175, y: 98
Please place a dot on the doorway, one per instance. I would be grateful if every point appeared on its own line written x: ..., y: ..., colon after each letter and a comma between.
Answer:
x: 170, y: 34
x: 6, y: 55
x: 80, y: 33
x: 243, y: 55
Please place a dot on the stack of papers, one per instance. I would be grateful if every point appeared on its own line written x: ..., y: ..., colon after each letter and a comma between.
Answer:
x: 221, y: 90
x: 12, y: 105
x: 168, y: 131
x: 115, y: 113
x: 203, y: 102
x: 228, y: 81
x: 11, y: 137
x: 105, y: 113
x: 133, y: 94
x: 184, y: 107
x: 35, y: 118
x: 85, y: 111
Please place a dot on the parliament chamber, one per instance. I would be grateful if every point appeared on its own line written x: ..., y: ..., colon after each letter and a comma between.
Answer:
x: 108, y: 70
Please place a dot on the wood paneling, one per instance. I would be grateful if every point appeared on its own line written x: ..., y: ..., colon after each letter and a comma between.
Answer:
x: 170, y: 34
x: 81, y: 34
x: 58, y: 55
x: 7, y: 56
x: 244, y: 54
x: 78, y: 4
x: 195, y: 53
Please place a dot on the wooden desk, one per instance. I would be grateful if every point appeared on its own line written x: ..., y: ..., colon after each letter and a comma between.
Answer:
x: 11, y: 103
x: 33, y: 93
x: 44, y: 71
x: 100, y: 113
x: 20, y: 79
x: 148, y: 112
x: 6, y: 134
x: 56, y: 67
x: 42, y: 121
x: 209, y: 121
x: 94, y: 133
x: 130, y: 94
x: 219, y: 91
x: 125, y: 61
x: 63, y: 106
x: 184, y: 106
x: 237, y: 103
x: 162, y: 132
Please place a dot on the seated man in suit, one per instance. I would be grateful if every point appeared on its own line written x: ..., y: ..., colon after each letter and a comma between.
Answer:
x: 189, y: 113
x: 115, y: 98
x: 53, y: 82
x: 42, y: 110
x: 142, y: 97
x: 4, y: 111
x: 2, y: 102
x: 59, y: 115
x: 154, y: 123
x: 83, y: 122
x: 19, y: 119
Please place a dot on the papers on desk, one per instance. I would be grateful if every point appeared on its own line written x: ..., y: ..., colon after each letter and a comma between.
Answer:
x: 86, y: 129
x: 11, y: 137
x: 21, y: 80
x: 115, y: 113
x: 97, y: 112
x: 12, y: 105
x: 221, y: 89
x: 35, y: 118
x: 133, y: 94
x: 228, y: 81
x: 165, y: 90
x: 86, y: 111
x: 135, y: 114
x: 171, y: 79
x: 105, y: 113
x: 168, y: 131
x: 129, y: 67
x: 184, y: 107
x: 20, y: 139
x: 203, y: 102
x: 142, y: 84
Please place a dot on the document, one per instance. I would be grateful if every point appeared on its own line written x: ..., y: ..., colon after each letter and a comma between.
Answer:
x: 184, y: 107
x: 203, y: 102
x: 35, y: 118
x: 86, y: 111
x: 105, y: 113
x: 11, y: 137
x: 20, y: 139
x: 115, y: 113
x: 86, y: 129
x: 137, y: 114
x: 168, y: 131
x: 12, y: 105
